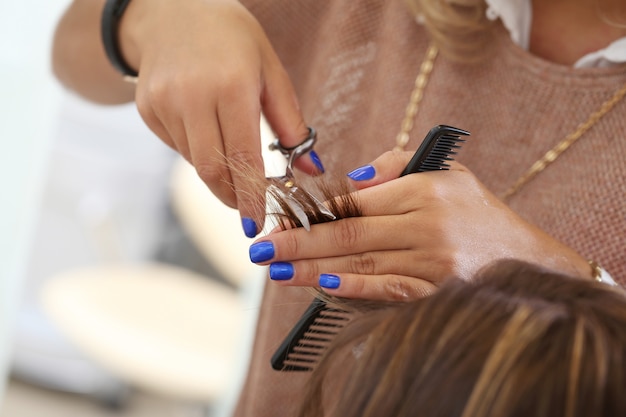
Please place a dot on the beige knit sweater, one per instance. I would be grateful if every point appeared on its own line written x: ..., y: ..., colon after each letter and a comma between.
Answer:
x: 353, y: 64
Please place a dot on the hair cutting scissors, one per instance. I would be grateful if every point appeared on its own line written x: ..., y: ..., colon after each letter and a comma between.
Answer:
x: 304, y: 205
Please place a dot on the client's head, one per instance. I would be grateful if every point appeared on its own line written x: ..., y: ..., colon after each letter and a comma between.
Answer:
x: 517, y: 341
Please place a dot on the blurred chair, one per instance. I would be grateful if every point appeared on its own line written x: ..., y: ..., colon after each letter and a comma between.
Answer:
x: 160, y: 327
x: 164, y: 328
x: 103, y: 200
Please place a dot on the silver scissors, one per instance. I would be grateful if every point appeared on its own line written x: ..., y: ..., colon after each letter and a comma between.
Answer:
x: 302, y: 203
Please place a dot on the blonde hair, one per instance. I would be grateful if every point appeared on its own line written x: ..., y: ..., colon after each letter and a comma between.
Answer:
x: 459, y: 28
x: 519, y: 341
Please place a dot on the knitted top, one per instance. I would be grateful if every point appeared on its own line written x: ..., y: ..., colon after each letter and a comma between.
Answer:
x: 353, y: 65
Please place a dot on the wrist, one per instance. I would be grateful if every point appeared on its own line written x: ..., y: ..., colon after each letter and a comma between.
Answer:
x: 585, y: 268
x: 559, y: 257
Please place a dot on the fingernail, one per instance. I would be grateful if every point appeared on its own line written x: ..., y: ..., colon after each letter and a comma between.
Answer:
x: 329, y: 281
x: 317, y: 161
x: 363, y: 173
x: 281, y: 271
x: 261, y: 252
x: 249, y: 226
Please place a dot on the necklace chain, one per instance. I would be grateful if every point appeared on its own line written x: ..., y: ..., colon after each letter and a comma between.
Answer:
x: 565, y: 143
x: 418, y: 92
x: 416, y: 97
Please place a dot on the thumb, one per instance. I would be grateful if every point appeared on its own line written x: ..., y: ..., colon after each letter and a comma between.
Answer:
x: 385, y: 168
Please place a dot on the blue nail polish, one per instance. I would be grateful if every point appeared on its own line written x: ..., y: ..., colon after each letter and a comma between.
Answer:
x: 329, y: 281
x: 281, y: 271
x: 366, y: 172
x: 249, y: 226
x: 317, y: 161
x: 261, y: 252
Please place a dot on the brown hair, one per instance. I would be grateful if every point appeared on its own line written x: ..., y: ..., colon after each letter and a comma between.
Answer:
x: 338, y: 196
x: 271, y: 193
x: 518, y: 341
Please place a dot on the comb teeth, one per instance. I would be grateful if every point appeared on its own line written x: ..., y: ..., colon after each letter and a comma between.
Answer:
x: 310, y: 338
x: 441, y: 152
x: 437, y: 148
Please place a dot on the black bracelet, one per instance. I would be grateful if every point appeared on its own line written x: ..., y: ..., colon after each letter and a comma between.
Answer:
x: 111, y: 15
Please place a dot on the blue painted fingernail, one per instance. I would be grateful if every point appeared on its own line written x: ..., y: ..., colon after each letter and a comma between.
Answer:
x: 366, y: 172
x: 249, y: 226
x: 317, y: 161
x: 281, y: 271
x: 329, y: 281
x: 261, y: 252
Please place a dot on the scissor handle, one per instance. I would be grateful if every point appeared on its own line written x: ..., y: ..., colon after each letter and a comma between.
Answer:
x: 295, y: 152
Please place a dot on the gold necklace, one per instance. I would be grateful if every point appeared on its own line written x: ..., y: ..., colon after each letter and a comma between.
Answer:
x: 416, y: 97
x: 418, y: 92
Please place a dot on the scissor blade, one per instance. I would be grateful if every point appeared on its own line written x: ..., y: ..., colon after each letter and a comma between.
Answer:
x: 295, y: 206
x: 285, y: 194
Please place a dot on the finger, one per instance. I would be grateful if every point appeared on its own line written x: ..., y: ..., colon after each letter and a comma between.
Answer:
x: 207, y: 154
x: 305, y: 273
x: 385, y: 168
x: 402, y: 195
x: 398, y: 196
x: 342, y: 237
x: 282, y: 111
x: 376, y: 288
x: 149, y: 116
x: 239, y: 118
x: 174, y: 125
x: 412, y: 193
x: 155, y: 125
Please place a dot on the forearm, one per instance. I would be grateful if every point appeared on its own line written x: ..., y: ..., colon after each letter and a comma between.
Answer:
x: 78, y: 58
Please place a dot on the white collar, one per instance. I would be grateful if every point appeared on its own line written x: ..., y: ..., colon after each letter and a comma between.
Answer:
x: 516, y: 16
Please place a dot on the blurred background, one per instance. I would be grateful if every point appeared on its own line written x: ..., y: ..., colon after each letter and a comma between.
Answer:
x: 125, y: 287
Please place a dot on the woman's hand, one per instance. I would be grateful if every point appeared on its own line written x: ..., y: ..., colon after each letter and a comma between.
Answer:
x: 416, y: 232
x: 206, y: 70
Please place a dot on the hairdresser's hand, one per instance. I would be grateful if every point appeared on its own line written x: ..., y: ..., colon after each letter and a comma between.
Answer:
x: 206, y: 70
x: 417, y: 231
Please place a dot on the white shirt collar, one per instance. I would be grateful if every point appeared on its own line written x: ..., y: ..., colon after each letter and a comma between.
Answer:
x: 516, y: 16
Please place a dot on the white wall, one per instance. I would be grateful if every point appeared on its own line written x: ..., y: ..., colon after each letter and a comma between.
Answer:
x: 29, y: 99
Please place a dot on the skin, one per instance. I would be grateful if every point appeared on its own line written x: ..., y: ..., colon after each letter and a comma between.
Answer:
x: 210, y: 112
x: 377, y: 259
x: 565, y: 30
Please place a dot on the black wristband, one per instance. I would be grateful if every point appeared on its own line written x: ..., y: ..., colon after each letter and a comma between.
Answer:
x: 111, y: 15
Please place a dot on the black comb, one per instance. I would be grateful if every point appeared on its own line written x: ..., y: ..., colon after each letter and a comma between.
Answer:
x: 436, y: 150
x: 308, y: 339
